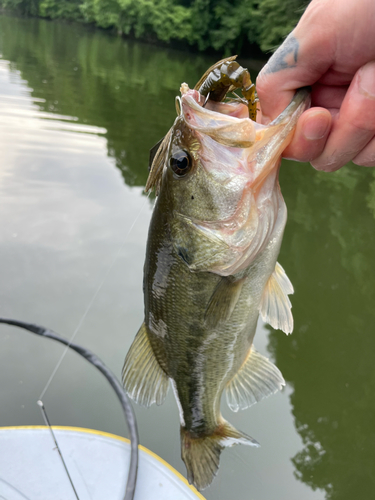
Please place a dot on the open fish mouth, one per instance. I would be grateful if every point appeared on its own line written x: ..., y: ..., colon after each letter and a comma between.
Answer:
x: 229, y: 123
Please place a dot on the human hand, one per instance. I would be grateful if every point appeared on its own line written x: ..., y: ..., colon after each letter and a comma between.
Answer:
x: 332, y: 49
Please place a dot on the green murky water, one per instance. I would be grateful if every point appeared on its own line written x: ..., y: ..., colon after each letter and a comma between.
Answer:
x: 79, y: 111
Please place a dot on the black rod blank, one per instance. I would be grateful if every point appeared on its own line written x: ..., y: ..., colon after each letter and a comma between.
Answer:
x: 117, y: 387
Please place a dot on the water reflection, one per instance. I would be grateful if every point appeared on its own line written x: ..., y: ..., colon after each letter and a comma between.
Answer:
x: 65, y: 214
x: 330, y: 361
x: 103, y: 80
x: 125, y: 87
x: 70, y: 98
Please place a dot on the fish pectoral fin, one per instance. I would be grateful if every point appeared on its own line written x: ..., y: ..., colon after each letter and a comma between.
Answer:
x: 143, y: 378
x: 200, y: 248
x: 257, y: 379
x: 275, y: 306
x: 222, y: 301
x: 202, y: 454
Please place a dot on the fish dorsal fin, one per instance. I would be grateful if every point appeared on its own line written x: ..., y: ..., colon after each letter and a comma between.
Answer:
x: 275, y: 306
x: 222, y: 301
x: 257, y: 379
x: 158, y: 156
x: 143, y: 378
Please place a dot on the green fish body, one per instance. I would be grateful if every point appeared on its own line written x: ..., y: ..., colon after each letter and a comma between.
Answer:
x: 210, y: 270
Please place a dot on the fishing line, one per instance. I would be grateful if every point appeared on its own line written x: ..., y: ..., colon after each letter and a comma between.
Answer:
x: 115, y: 384
x: 88, y: 308
x: 47, y: 422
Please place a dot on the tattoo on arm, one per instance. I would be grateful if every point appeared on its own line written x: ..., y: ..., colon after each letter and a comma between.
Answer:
x: 285, y: 56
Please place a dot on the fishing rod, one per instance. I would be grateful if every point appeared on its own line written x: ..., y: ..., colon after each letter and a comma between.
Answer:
x: 115, y: 384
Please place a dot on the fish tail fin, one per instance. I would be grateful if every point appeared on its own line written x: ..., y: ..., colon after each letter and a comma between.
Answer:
x: 202, y: 454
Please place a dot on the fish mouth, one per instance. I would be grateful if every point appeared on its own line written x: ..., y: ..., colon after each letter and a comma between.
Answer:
x: 229, y: 124
x: 226, y: 123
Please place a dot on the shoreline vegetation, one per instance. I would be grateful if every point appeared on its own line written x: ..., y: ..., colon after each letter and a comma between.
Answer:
x: 223, y: 26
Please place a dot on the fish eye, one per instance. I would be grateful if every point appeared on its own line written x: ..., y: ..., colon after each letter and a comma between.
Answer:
x: 180, y: 163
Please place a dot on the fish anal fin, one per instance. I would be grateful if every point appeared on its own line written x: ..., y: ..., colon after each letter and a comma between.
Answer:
x: 143, y: 378
x: 202, y: 454
x: 275, y: 306
x: 257, y: 379
x: 223, y: 301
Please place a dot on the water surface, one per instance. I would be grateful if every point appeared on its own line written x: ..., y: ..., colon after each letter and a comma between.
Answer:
x: 79, y: 111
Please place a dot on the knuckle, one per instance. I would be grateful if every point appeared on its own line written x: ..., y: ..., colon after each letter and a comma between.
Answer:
x: 329, y: 164
x: 318, y: 166
x: 365, y: 160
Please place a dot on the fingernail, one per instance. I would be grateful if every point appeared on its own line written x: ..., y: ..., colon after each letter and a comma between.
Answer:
x: 315, y: 128
x: 367, y: 79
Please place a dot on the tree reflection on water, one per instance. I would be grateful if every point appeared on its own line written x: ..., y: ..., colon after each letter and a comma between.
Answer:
x: 329, y: 255
x: 126, y: 87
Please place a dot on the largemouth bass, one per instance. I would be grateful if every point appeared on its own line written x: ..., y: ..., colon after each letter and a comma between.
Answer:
x: 211, y: 268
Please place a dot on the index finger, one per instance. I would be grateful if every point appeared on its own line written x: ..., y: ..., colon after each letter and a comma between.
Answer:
x: 298, y: 62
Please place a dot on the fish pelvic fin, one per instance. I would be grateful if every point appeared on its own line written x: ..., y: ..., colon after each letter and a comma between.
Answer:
x: 275, y: 307
x: 257, y: 379
x: 143, y: 378
x: 201, y: 455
